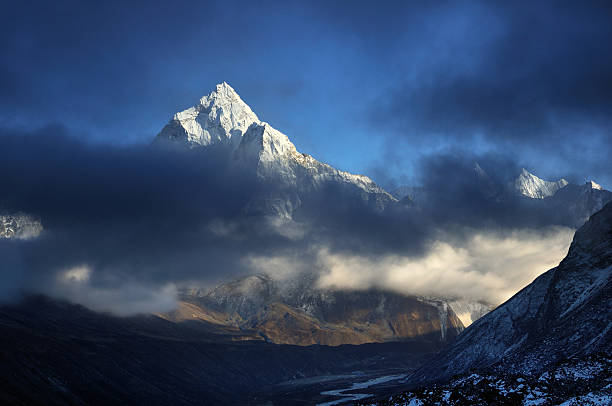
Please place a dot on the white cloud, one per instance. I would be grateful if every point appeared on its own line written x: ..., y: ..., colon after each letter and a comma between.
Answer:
x: 487, y: 267
x: 122, y: 298
x: 78, y: 274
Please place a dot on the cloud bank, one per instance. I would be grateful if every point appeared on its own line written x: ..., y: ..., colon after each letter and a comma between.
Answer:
x: 126, y: 227
x: 488, y: 268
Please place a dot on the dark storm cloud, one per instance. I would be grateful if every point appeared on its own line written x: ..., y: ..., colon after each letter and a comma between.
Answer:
x: 121, y: 223
x: 534, y: 79
x: 464, y: 194
x: 138, y: 212
x: 547, y: 66
x: 151, y: 208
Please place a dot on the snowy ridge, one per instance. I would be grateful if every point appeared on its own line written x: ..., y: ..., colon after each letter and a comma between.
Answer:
x: 416, y: 194
x: 531, y: 186
x: 571, y: 204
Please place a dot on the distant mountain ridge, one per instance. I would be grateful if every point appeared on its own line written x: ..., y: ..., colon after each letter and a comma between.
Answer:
x: 572, y: 203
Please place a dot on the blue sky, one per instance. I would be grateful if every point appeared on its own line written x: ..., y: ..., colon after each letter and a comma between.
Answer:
x: 369, y: 87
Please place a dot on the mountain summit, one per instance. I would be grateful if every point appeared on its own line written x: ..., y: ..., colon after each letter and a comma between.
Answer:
x: 222, y: 119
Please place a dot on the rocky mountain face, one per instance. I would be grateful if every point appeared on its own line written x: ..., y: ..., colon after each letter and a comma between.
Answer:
x: 301, y: 314
x: 219, y: 118
x: 222, y: 120
x: 562, y: 317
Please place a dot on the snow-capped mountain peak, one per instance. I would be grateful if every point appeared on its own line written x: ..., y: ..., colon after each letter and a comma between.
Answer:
x: 220, y: 117
x: 531, y: 186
